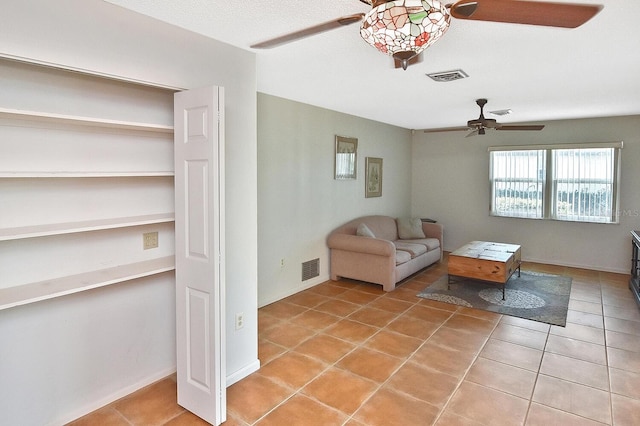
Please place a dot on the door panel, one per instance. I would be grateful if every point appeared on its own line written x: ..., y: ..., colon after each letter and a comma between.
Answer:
x: 198, y: 341
x: 197, y: 237
x: 199, y: 173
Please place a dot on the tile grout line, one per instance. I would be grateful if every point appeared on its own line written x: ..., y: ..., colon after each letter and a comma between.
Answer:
x: 361, y: 345
x: 606, y: 356
x: 406, y: 359
x: 122, y: 416
x: 379, y: 385
x: 401, y: 365
x: 329, y: 366
x: 466, y: 372
x: 570, y: 381
x: 535, y: 382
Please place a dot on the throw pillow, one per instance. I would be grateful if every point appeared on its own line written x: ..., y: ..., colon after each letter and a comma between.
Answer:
x: 410, y: 228
x: 364, y: 231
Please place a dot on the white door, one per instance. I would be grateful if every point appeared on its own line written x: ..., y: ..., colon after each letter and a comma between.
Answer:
x: 199, y: 189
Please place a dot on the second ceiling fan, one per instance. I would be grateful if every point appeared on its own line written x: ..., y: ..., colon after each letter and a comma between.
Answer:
x: 480, y: 124
x: 405, y: 28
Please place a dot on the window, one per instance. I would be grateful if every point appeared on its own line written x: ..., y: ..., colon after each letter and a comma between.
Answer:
x: 517, y: 183
x: 562, y: 182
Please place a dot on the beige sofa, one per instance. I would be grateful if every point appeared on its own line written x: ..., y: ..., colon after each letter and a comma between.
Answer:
x: 383, y: 250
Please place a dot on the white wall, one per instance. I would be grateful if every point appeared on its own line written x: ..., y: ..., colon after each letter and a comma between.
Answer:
x: 450, y: 178
x: 64, y: 356
x: 299, y: 201
x: 101, y: 38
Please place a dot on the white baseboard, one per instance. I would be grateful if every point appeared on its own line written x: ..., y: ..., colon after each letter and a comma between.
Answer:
x: 291, y: 291
x: 577, y: 265
x: 243, y: 372
x: 572, y: 265
x: 121, y: 393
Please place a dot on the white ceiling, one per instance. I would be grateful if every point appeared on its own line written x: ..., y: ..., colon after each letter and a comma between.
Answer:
x: 540, y: 73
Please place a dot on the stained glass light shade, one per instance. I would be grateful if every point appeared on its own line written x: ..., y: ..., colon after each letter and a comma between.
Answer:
x: 404, y: 28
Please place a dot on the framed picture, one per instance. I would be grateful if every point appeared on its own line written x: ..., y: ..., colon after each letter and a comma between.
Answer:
x: 373, y: 177
x: 346, y: 158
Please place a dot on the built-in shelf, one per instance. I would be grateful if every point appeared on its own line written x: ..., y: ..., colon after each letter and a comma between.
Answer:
x: 120, y: 189
x: 43, y: 290
x: 83, y: 121
x: 35, y: 231
x: 40, y: 174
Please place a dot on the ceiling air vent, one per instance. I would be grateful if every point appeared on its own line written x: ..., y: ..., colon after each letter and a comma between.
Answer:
x: 501, y: 112
x: 310, y: 269
x: 445, y: 76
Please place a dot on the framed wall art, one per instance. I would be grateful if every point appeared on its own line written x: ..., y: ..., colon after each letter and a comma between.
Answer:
x: 346, y: 158
x: 373, y: 177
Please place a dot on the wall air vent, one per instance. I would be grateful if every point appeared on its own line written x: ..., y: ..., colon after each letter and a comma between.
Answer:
x: 310, y: 269
x: 445, y: 76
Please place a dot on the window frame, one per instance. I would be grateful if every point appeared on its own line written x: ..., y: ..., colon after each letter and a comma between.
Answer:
x: 493, y: 209
x: 549, y: 192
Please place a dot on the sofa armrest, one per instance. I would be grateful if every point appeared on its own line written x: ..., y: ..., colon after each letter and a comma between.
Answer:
x: 360, y: 244
x: 433, y: 230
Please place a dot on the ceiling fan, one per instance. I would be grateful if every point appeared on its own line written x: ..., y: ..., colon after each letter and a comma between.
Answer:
x: 404, y: 28
x: 480, y: 124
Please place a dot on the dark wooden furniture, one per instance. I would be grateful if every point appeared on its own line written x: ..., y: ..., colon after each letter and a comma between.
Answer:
x: 634, y: 282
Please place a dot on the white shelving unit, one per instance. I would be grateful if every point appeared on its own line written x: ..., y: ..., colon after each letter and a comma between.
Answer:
x: 43, y: 290
x: 35, y: 231
x: 29, y: 159
x: 82, y: 121
x: 47, y: 175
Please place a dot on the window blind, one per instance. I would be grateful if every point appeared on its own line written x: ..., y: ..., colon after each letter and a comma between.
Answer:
x: 518, y: 183
x: 573, y: 182
x: 584, y: 184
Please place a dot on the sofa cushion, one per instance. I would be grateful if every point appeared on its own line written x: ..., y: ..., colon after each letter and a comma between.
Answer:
x: 402, y: 257
x: 383, y: 227
x: 413, y: 249
x: 430, y: 243
x: 364, y: 231
x: 409, y: 228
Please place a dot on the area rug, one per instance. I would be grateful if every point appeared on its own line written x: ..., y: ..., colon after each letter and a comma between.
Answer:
x: 533, y: 295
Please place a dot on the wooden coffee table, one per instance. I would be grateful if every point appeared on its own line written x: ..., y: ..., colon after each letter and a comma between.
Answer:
x: 485, y: 261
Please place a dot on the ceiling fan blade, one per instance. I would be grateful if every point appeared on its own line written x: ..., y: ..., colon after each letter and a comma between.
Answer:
x: 445, y: 129
x: 516, y: 127
x: 307, y: 32
x: 473, y: 133
x: 565, y: 15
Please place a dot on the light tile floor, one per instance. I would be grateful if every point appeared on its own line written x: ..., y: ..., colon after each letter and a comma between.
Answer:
x: 346, y: 353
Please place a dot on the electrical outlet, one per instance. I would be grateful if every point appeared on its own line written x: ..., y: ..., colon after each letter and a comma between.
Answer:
x: 149, y: 240
x: 239, y: 320
x: 282, y: 262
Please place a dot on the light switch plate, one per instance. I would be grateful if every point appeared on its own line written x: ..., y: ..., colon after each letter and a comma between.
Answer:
x: 149, y: 240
